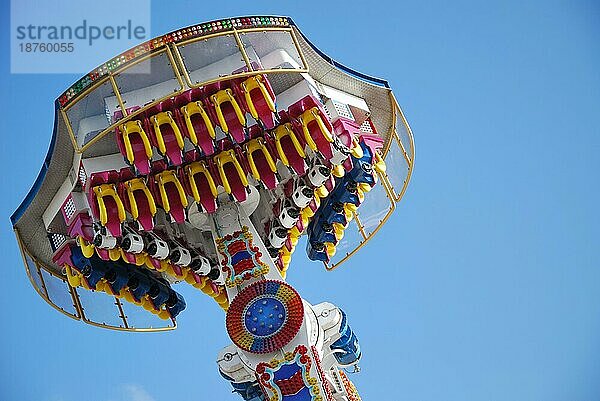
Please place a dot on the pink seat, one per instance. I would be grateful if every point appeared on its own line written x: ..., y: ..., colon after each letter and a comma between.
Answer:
x: 238, y: 190
x: 255, y: 151
x: 81, y: 226
x: 173, y: 200
x: 346, y: 130
x: 263, y: 112
x: 305, y: 104
x: 205, y: 142
x: 236, y: 130
x: 323, y: 145
x: 220, y: 96
x: 207, y: 199
x: 141, y: 161
x: 172, y: 147
x: 267, y: 176
x: 144, y: 206
x: 173, y: 152
x: 113, y: 223
x: 296, y: 161
x: 145, y: 218
x: 177, y: 208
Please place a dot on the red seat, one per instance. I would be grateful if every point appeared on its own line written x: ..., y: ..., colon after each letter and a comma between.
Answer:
x: 232, y: 174
x: 200, y: 184
x: 103, y: 185
x: 139, y: 202
x: 290, y: 148
x: 198, y: 126
x: 169, y: 194
x: 308, y: 112
x: 141, y: 152
x: 258, y: 98
x: 228, y: 113
x: 167, y: 136
x: 261, y: 162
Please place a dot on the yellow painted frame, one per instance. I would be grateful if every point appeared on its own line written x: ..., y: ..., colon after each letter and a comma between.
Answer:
x: 393, y: 196
x: 181, y: 74
x: 127, y: 117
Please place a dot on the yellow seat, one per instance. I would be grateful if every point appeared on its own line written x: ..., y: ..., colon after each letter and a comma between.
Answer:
x: 131, y: 128
x: 281, y: 132
x: 356, y: 150
x: 108, y: 191
x: 364, y: 186
x: 256, y: 82
x: 350, y: 207
x: 200, y: 168
x: 86, y: 249
x: 164, y: 314
x: 313, y: 115
x: 163, y: 179
x: 379, y: 163
x: 222, y: 159
x: 191, y: 109
x: 254, y: 145
x: 73, y: 278
x: 322, y: 191
x: 294, y: 232
x: 158, y: 120
x: 361, y: 195
x: 330, y: 248
x: 114, y: 254
x: 222, y: 97
x: 138, y: 184
x: 338, y: 230
x: 338, y: 171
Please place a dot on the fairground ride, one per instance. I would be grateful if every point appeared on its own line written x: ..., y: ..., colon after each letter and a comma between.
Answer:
x: 201, y: 157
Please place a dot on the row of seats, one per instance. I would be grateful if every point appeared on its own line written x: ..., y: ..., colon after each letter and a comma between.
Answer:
x: 194, y: 114
x: 304, y: 124
x: 141, y: 248
x: 346, y: 349
x: 113, y: 193
x: 327, y: 228
x: 116, y: 278
x: 196, y: 274
x: 292, y: 212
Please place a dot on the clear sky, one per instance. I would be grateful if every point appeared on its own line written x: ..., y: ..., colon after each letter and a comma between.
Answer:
x: 485, y: 285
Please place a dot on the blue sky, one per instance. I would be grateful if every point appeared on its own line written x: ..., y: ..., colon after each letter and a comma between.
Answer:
x: 485, y: 285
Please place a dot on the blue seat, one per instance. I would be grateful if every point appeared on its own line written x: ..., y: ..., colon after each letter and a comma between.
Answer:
x: 159, y: 293
x: 139, y: 284
x: 175, y: 303
x: 316, y: 251
x: 362, y: 171
x: 117, y: 277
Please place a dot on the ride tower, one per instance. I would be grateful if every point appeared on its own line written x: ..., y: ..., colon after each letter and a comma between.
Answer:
x: 202, y: 157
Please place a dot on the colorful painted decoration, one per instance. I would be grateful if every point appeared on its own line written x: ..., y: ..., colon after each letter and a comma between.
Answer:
x: 241, y: 258
x: 265, y: 316
x: 289, y: 378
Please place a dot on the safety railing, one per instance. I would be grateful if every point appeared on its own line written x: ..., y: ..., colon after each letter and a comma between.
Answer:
x: 170, y: 69
x: 379, y: 204
x: 95, y: 308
